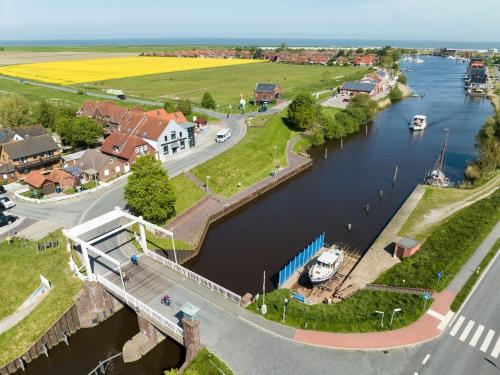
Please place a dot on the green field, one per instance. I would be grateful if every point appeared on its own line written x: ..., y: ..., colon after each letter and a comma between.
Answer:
x: 249, y: 161
x: 227, y: 83
x: 22, y: 264
x: 109, y: 48
x: 186, y: 193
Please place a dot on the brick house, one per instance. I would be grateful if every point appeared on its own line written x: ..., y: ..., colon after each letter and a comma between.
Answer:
x: 57, y: 179
x: 30, y: 150
x: 353, y: 88
x: 364, y: 60
x: 266, y: 92
x: 96, y: 165
x: 127, y: 147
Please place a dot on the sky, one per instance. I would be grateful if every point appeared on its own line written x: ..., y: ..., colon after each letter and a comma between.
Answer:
x: 454, y: 20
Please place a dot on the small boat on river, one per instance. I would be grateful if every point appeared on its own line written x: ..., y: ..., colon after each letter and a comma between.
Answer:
x: 419, y: 122
x: 327, y: 265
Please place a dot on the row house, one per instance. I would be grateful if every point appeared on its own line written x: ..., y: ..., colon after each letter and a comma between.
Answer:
x: 107, y: 113
x: 365, y: 60
x: 95, y: 165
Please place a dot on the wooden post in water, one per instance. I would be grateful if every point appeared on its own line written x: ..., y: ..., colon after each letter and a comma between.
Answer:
x: 326, y: 152
x: 341, y: 144
x: 366, y: 129
x: 395, y: 175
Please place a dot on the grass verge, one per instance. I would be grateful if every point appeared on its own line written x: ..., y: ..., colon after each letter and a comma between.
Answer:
x: 249, y: 161
x: 206, y: 363
x: 357, y: 314
x: 157, y: 243
x: 447, y: 248
x: 464, y: 292
x: 22, y: 264
x: 186, y: 192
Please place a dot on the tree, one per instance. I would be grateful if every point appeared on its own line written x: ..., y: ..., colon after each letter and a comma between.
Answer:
x: 304, y: 112
x: 46, y: 114
x: 488, y: 145
x: 184, y: 106
x: 364, y: 101
x: 347, y: 122
x: 332, y: 128
x: 169, y: 106
x: 402, y: 78
x: 78, y: 131
x: 14, y: 111
x: 258, y: 54
x: 149, y: 192
x: 208, y: 101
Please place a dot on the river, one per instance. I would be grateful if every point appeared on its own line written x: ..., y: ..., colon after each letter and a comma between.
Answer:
x: 268, y: 232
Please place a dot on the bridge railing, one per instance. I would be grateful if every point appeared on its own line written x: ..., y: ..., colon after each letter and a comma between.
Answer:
x: 194, y: 276
x: 135, y: 303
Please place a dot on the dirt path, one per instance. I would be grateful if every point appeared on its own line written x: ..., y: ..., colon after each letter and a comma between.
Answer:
x: 435, y: 216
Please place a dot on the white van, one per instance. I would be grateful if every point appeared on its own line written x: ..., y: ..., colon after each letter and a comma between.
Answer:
x: 223, y: 135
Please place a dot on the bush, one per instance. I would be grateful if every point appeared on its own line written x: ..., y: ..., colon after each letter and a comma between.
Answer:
x: 396, y: 94
x: 208, y: 101
x: 402, y: 78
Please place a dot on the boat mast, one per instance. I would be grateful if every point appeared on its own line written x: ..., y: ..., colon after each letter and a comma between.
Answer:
x: 440, y: 161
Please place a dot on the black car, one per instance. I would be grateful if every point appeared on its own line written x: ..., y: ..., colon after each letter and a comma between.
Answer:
x: 2, y: 190
x: 6, y: 219
x: 263, y: 109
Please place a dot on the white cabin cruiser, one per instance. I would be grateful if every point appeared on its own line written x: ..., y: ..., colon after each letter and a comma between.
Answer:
x: 419, y: 122
x: 326, y: 265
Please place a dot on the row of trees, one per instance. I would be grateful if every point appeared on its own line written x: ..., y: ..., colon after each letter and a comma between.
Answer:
x: 488, y: 149
x: 183, y: 106
x: 306, y: 114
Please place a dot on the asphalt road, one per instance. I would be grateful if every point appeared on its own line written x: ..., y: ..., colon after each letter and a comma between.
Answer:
x: 471, y: 344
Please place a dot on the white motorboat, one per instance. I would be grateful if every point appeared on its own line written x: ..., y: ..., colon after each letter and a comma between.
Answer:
x: 418, y: 60
x: 419, y: 122
x: 326, y: 265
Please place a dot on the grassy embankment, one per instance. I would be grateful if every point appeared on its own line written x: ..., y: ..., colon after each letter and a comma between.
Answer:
x: 466, y: 289
x: 446, y: 249
x: 250, y: 160
x: 22, y: 264
x: 205, y: 363
x: 227, y: 83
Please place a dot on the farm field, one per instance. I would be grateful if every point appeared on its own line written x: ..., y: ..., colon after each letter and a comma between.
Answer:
x: 227, y: 83
x: 11, y: 58
x: 74, y: 72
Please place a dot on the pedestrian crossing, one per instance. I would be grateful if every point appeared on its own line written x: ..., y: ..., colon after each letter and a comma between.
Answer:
x: 467, y: 331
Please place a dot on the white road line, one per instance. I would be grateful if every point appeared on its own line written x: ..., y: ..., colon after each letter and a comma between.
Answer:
x: 487, y: 340
x: 457, y: 326
x: 496, y: 350
x: 477, y: 335
x: 426, y: 359
x: 435, y: 314
x: 467, y: 330
x: 415, y: 373
x: 449, y: 315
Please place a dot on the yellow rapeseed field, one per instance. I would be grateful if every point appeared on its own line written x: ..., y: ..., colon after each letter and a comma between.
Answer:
x: 79, y: 71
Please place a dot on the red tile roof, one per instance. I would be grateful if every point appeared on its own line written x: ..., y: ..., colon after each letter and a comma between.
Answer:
x: 124, y: 145
x: 60, y: 177
x: 35, y: 179
x: 178, y: 117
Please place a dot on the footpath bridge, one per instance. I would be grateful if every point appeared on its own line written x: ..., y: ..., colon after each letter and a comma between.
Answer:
x: 106, y: 245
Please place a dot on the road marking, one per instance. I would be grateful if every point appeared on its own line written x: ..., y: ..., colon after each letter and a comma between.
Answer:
x: 496, y: 350
x: 415, y: 373
x: 426, y: 359
x: 435, y: 314
x: 477, y: 335
x: 457, y: 326
x: 449, y: 315
x: 467, y: 330
x: 487, y: 340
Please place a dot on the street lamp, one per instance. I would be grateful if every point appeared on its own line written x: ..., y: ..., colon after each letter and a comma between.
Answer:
x: 208, y: 178
x: 382, y: 320
x: 284, y: 310
x: 392, y: 315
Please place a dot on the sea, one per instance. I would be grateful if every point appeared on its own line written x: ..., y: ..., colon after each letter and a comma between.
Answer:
x: 261, y: 42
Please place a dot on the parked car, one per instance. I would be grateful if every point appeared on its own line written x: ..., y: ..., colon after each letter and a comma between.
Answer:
x: 6, y: 219
x: 6, y: 203
x: 223, y: 135
x: 263, y: 108
x: 346, y: 100
x: 2, y: 190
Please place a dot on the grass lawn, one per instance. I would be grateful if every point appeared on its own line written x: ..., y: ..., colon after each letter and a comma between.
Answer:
x: 159, y: 242
x: 447, y: 248
x: 353, y: 315
x: 434, y: 199
x: 22, y: 264
x: 250, y: 160
x: 87, y: 186
x: 464, y: 292
x: 227, y: 83
x: 186, y: 193
x: 206, y: 363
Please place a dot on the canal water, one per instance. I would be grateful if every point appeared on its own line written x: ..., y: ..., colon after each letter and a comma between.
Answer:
x: 267, y: 233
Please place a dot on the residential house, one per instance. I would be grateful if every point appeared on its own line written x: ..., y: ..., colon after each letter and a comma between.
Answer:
x: 96, y: 165
x: 353, y: 88
x: 26, y: 151
x: 127, y: 147
x: 365, y: 60
x: 266, y: 92
x: 107, y: 113
x: 56, y: 181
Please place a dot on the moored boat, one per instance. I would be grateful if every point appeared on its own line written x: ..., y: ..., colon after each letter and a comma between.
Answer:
x: 436, y: 176
x: 327, y: 265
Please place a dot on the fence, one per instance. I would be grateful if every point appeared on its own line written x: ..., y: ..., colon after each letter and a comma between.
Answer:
x: 135, y: 303
x: 194, y: 276
x: 301, y: 259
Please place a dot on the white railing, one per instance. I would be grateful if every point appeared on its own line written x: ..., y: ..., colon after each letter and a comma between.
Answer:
x: 194, y: 276
x: 135, y: 303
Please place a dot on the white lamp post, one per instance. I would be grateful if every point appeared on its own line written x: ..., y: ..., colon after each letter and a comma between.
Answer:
x: 208, y: 178
x: 392, y: 315
x: 284, y: 309
x: 381, y: 320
